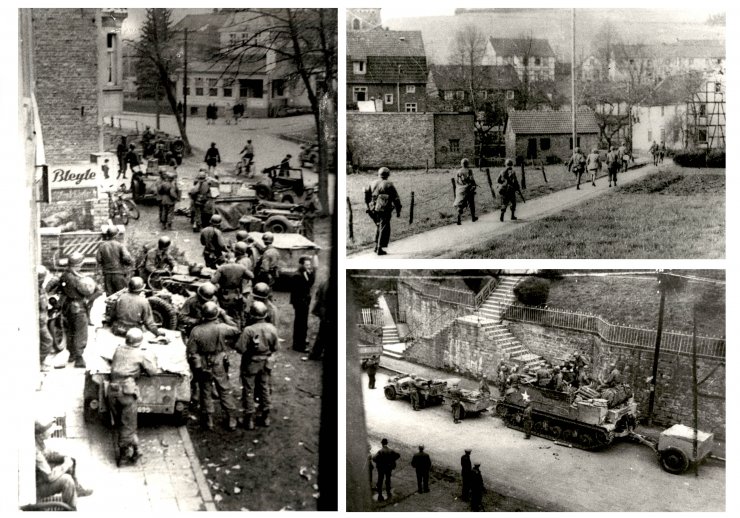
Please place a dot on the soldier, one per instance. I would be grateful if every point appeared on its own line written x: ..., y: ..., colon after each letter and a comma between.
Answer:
x: 132, y: 159
x: 158, y: 259
x: 381, y: 198
x: 121, y: 155
x: 372, y: 366
x: 191, y: 313
x: 207, y: 347
x: 46, y: 342
x: 146, y: 142
x: 214, y: 244
x: 661, y: 152
x: 415, y: 396
x: 385, y: 462
x: 577, y: 165
x: 311, y: 207
x: 613, y: 379
x: 268, y: 265
x: 202, y: 206
x: 654, y: 150
x: 513, y: 380
x: 612, y: 165
x: 593, y: 164
x: 233, y: 280
x: 263, y: 293
x: 543, y: 376
x: 557, y: 383
x: 508, y: 187
x: 527, y: 419
x: 128, y: 364
x: 579, y: 365
x: 113, y: 260
x: 483, y: 386
x: 300, y: 299
x: 423, y: 465
x: 169, y: 194
x: 325, y: 314
x: 247, y: 156
x: 465, y: 187
x: 257, y: 344
x: 76, y: 291
x: 503, y: 375
x: 285, y: 166
x: 476, y: 488
x: 466, y: 470
x: 456, y: 408
x: 213, y: 158
x: 624, y: 156
x: 243, y: 255
x: 132, y: 310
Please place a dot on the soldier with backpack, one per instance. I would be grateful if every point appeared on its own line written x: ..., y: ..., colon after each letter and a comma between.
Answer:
x: 508, y: 187
x: 169, y: 194
x: 577, y: 165
x: 381, y: 198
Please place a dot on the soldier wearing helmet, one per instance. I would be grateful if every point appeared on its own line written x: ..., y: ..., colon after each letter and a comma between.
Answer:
x: 577, y: 164
x: 132, y: 310
x: 241, y: 236
x: 202, y: 201
x: 168, y: 194
x: 465, y: 191
x: 242, y: 253
x: 311, y: 208
x: 268, y: 267
x: 593, y: 164
x: 207, y: 346
x: 128, y: 364
x: 381, y: 198
x: 158, y: 259
x: 233, y: 280
x: 261, y: 292
x: 508, y: 187
x: 257, y: 345
x: 77, y: 292
x: 114, y: 261
x: 214, y: 244
x: 191, y: 313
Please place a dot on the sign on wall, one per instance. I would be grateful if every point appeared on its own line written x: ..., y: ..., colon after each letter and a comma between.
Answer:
x: 75, y: 182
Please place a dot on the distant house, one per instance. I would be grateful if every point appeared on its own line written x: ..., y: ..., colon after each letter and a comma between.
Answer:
x: 537, y: 134
x: 363, y: 19
x: 452, y: 83
x: 389, y: 67
x: 532, y: 56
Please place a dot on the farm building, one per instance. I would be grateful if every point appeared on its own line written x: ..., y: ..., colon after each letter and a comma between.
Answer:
x: 539, y: 134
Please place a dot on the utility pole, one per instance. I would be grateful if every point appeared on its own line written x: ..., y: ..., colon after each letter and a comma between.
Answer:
x: 398, y: 91
x: 574, y: 106
x: 159, y: 108
x: 185, y: 82
x: 653, y: 380
x: 695, y: 391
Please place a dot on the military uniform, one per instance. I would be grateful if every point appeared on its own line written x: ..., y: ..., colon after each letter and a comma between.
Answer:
x: 612, y: 166
x: 372, y: 368
x: 527, y: 421
x: 233, y: 280
x: 169, y: 194
x: 75, y: 313
x: 157, y: 259
x: 257, y: 343
x: 114, y: 260
x: 465, y: 187
x: 577, y: 164
x: 593, y: 164
x: 272, y: 317
x: 202, y: 207
x: 132, y: 310
x: 214, y: 246
x: 422, y: 464
x: 508, y: 186
x: 382, y: 198
x: 268, y: 266
x: 191, y: 314
x: 311, y: 207
x: 46, y: 342
x: 213, y: 158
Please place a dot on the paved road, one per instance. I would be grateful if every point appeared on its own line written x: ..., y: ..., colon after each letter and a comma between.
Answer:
x: 625, y: 477
x: 443, y: 241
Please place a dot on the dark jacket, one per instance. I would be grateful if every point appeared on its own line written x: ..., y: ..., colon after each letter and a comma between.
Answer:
x: 213, y: 241
x: 421, y: 461
x: 133, y: 310
x: 300, y: 292
x: 113, y: 257
x: 385, y: 459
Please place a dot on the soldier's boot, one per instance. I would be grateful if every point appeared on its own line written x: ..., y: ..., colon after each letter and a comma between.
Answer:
x: 473, y: 216
x: 266, y: 418
x: 135, y: 455
x: 502, y: 215
x: 459, y: 217
x: 249, y: 421
x: 513, y: 217
x: 208, y: 422
x: 232, y: 424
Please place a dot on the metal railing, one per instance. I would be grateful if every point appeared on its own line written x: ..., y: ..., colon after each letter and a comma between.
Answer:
x: 484, y: 293
x: 617, y: 334
x: 372, y: 316
x: 435, y: 291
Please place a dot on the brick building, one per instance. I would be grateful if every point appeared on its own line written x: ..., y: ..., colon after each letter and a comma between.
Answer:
x: 452, y: 84
x: 538, y: 134
x: 410, y: 140
x: 389, y: 67
x: 531, y: 56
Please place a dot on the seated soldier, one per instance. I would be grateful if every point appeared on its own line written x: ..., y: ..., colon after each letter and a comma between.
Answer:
x: 158, y: 259
x: 133, y: 310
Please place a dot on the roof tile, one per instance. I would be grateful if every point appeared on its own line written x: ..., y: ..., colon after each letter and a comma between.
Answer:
x: 551, y: 122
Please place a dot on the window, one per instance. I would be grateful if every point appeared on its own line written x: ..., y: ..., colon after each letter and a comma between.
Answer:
x: 278, y: 87
x: 702, y: 134
x: 228, y: 87
x: 537, y: 61
x: 449, y: 95
x: 410, y: 107
x: 460, y: 94
x: 187, y: 90
x: 702, y: 110
x: 544, y: 143
x: 228, y: 92
x: 359, y: 93
x: 675, y: 134
x: 578, y: 142
x: 112, y: 58
x: 212, y: 87
x: 454, y: 145
x: 358, y: 67
x: 198, y: 86
x: 410, y: 89
x: 525, y: 61
x: 662, y: 134
x: 388, y: 98
x: 510, y: 94
x: 356, y: 24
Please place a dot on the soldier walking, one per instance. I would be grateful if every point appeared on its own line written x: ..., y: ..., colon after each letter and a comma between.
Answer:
x: 169, y: 194
x: 114, y: 261
x: 593, y: 164
x: 423, y: 465
x: 612, y: 165
x: 76, y: 290
x: 300, y: 299
x: 465, y: 187
x: 381, y: 198
x: 527, y: 420
x: 476, y: 488
x: 508, y: 187
x: 385, y: 462
x: 212, y: 158
x: 577, y: 165
x: 466, y: 470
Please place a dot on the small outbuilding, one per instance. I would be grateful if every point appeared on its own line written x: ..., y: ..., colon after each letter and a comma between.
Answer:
x: 539, y: 134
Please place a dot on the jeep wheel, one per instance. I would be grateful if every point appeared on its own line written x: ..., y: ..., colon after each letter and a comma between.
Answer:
x: 674, y: 461
x: 163, y: 312
x: 277, y: 225
x: 390, y: 393
x: 180, y: 417
x: 263, y: 192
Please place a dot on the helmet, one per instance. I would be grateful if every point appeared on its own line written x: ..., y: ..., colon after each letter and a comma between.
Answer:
x: 241, y: 248
x: 207, y: 291
x: 75, y: 258
x: 201, y: 175
x: 384, y: 172
x: 136, y: 285
x: 215, y: 220
x: 111, y: 231
x: 594, y: 150
x: 464, y: 162
x: 171, y: 175
x: 261, y: 290
x: 509, y: 163
x: 268, y: 238
x: 210, y: 311
x: 242, y: 235
x: 258, y: 310
x: 87, y: 286
x: 164, y: 242
x: 134, y: 336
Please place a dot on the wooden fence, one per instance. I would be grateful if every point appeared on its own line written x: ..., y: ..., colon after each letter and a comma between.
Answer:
x: 616, y: 334
x: 371, y: 316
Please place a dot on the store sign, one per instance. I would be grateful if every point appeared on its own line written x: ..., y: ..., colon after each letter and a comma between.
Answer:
x: 73, y: 177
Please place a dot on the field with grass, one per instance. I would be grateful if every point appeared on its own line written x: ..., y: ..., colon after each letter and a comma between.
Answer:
x: 433, y: 197
x: 675, y: 213
x: 634, y: 300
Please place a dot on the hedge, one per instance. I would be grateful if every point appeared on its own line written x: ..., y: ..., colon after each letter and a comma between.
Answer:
x: 699, y: 158
x: 533, y: 291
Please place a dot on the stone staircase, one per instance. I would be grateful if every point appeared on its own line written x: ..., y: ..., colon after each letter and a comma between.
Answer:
x: 392, y: 345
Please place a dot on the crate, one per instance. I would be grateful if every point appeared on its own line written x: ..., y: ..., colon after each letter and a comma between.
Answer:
x: 591, y: 414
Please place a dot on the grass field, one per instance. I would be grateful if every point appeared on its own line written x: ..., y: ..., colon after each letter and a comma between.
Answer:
x: 634, y: 300
x: 679, y: 213
x: 433, y: 197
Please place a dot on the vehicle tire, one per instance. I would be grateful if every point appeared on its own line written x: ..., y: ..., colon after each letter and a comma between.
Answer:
x: 177, y: 147
x: 277, y: 225
x: 163, y: 312
x: 586, y: 440
x: 122, y: 215
x: 502, y: 410
x: 556, y: 432
x: 674, y: 461
x: 569, y: 435
x: 133, y: 210
x: 59, y: 343
x: 156, y: 279
x: 181, y: 418
x: 263, y: 192
x: 287, y: 199
x: 390, y: 393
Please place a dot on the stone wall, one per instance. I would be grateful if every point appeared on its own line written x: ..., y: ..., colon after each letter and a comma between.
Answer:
x: 65, y: 43
x: 426, y: 315
x: 450, y: 127
x: 673, y: 402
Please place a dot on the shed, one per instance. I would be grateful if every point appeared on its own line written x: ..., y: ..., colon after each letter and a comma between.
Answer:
x: 539, y: 134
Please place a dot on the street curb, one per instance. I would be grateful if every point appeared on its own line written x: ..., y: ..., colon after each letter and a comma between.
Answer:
x: 200, y: 480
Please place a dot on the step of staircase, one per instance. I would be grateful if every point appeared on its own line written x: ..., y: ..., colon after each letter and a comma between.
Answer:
x: 394, y: 350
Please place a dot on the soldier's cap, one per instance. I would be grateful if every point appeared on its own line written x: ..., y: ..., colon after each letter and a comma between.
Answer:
x: 468, y: 450
x: 384, y: 172
x: 75, y: 259
x: 384, y: 442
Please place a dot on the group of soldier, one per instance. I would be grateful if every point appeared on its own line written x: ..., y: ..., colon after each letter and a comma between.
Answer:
x: 385, y: 461
x: 617, y: 160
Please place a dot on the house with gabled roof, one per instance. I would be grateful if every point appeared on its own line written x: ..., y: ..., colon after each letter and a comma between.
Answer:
x: 532, y: 57
x: 389, y: 67
x: 452, y: 83
x: 538, y: 134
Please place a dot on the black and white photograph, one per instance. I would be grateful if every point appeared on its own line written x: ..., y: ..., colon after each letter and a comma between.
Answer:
x: 531, y: 133
x: 536, y: 390
x: 180, y: 275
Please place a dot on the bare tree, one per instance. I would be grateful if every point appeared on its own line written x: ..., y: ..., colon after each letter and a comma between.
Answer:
x: 158, y: 50
x: 304, y: 43
x: 604, y: 43
x: 468, y: 51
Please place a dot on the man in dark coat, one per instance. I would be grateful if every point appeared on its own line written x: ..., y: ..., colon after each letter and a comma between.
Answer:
x: 372, y: 369
x: 169, y: 194
x: 213, y: 157
x: 300, y: 299
x: 422, y: 464
x: 527, y: 420
x: 214, y: 244
x: 476, y: 488
x: 465, y: 191
x: 508, y: 187
x: 381, y: 199
x: 385, y: 462
x: 466, y: 470
x: 121, y: 155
